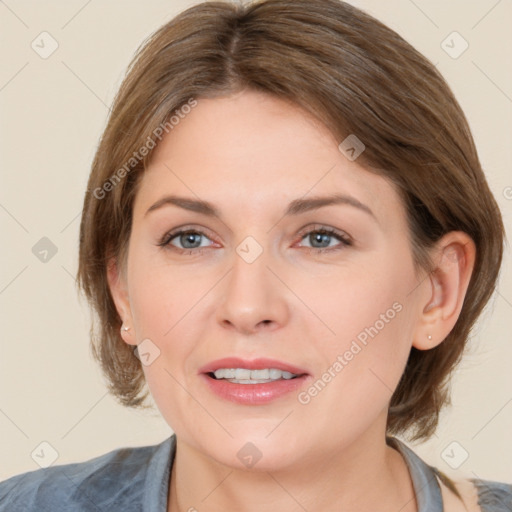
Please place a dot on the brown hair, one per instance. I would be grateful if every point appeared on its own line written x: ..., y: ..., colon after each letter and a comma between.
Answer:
x: 355, y: 75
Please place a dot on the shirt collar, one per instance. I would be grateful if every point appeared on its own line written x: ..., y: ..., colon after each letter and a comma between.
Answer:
x: 424, y: 480
x: 156, y: 489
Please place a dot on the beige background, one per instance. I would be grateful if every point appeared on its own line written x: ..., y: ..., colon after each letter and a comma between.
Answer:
x: 52, y: 113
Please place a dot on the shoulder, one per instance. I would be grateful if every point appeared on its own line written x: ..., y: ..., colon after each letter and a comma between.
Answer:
x: 115, y: 479
x: 477, y: 495
x: 493, y: 496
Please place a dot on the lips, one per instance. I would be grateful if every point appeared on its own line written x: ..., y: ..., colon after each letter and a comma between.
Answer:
x: 254, y: 364
x: 253, y: 393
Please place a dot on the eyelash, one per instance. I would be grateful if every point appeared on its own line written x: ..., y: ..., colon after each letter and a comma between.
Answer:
x: 345, y: 240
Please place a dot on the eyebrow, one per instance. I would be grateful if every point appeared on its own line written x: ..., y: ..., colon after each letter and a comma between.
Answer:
x: 296, y: 207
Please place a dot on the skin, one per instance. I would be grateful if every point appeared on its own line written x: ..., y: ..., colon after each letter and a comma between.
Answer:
x: 250, y: 155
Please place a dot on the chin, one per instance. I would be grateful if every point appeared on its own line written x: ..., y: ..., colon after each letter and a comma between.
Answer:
x: 260, y: 451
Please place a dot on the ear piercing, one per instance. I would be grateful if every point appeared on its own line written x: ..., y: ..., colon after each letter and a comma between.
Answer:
x: 429, y: 337
x: 123, y: 328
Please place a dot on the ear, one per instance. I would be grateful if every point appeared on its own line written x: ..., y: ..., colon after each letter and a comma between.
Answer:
x: 119, y: 291
x: 455, y: 255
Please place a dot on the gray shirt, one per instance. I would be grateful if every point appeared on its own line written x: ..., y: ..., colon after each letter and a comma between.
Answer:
x: 137, y: 479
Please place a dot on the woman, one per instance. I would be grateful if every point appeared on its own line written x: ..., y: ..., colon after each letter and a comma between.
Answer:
x: 288, y: 236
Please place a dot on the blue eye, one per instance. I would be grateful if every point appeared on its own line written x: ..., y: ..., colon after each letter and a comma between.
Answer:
x: 189, y: 239
x: 325, y: 236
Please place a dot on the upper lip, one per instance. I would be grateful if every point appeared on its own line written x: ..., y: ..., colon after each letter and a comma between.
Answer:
x: 253, y: 364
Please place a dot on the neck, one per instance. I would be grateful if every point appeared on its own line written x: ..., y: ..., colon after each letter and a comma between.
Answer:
x: 368, y: 475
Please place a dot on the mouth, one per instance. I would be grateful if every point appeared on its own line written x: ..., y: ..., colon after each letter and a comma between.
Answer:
x: 256, y: 371
x: 252, y: 382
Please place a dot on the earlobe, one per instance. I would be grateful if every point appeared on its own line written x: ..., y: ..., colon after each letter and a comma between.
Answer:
x: 118, y: 290
x: 448, y: 285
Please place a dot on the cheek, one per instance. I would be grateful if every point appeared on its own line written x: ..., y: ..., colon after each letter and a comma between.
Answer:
x: 370, y: 319
x: 161, y: 296
x: 362, y: 366
x: 165, y: 302
x: 360, y: 303
x: 159, y: 306
x: 160, y: 310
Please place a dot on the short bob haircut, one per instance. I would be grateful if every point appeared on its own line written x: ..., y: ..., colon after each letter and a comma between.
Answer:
x: 356, y: 76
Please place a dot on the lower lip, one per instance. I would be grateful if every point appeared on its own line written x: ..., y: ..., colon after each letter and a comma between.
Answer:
x: 254, y: 394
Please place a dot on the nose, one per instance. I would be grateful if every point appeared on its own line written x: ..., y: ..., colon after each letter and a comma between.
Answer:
x: 253, y: 298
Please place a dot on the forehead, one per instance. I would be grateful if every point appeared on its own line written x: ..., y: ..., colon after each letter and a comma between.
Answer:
x: 254, y: 151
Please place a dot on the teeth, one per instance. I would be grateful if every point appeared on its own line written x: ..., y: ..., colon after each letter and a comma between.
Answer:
x: 274, y: 374
x: 241, y: 373
x: 245, y: 376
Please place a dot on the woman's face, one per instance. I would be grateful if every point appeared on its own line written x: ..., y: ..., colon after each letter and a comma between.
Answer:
x: 262, y: 280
